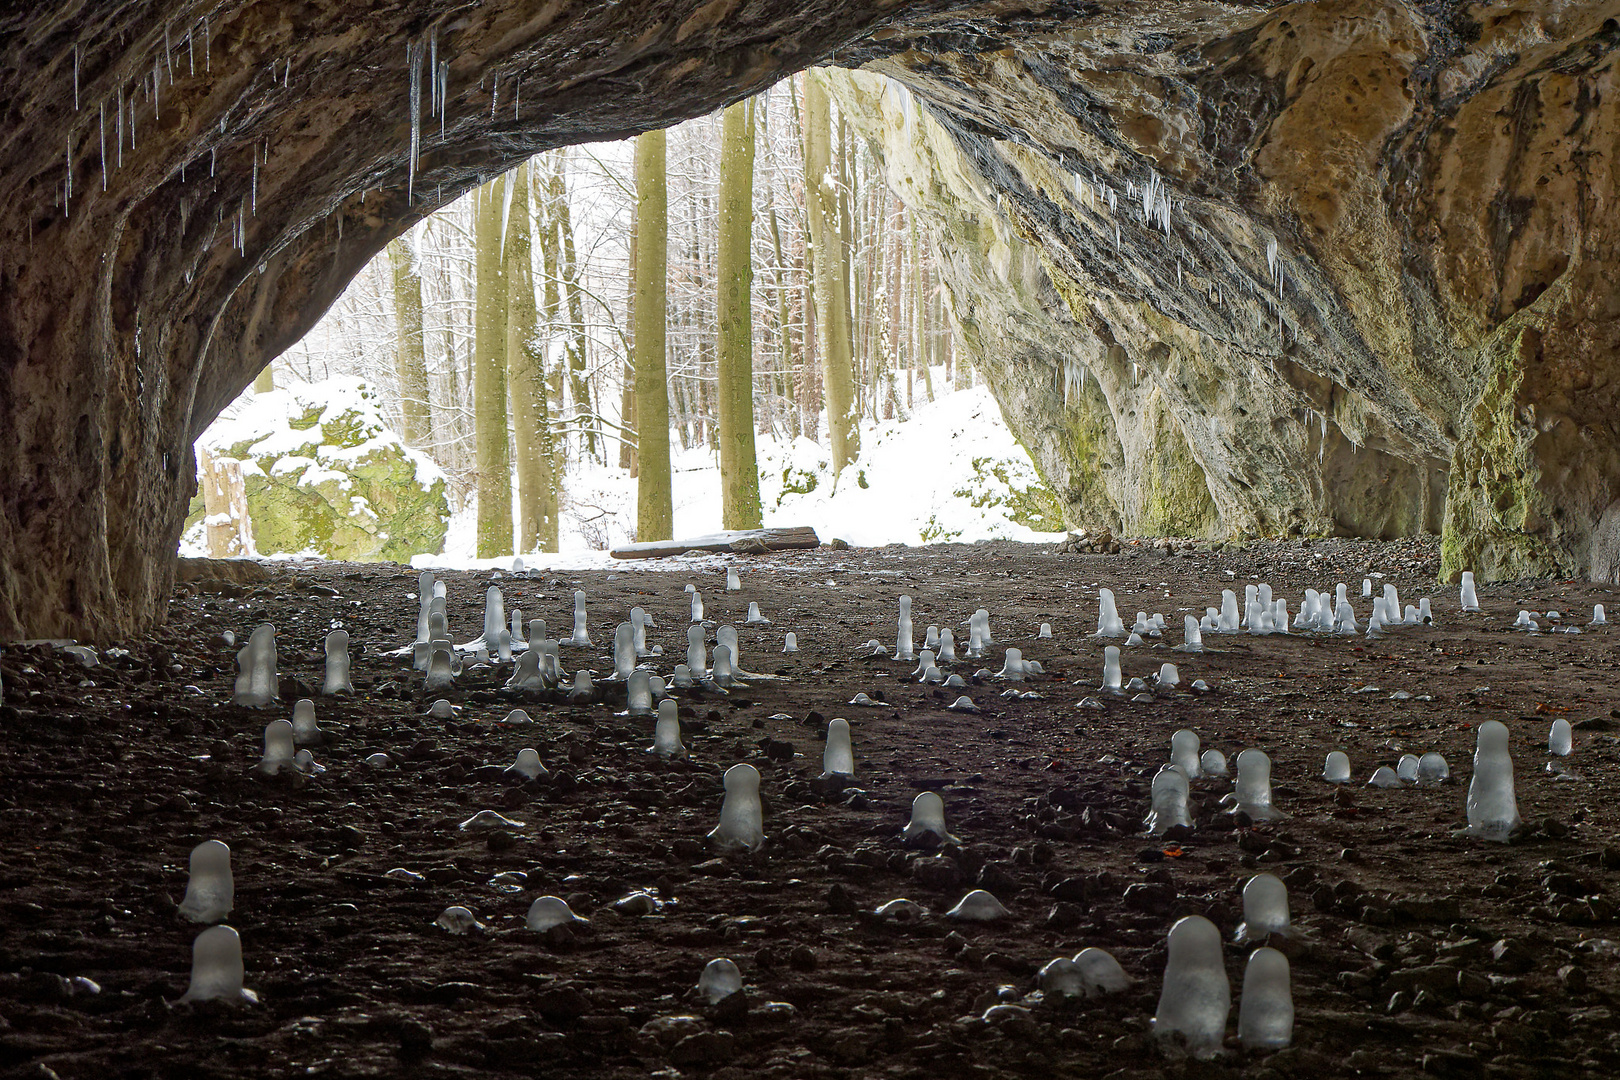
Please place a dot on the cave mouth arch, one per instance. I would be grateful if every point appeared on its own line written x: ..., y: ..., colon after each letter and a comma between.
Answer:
x: 191, y: 185
x: 1368, y: 299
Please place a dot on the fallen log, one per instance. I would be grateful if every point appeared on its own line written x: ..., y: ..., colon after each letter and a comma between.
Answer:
x: 743, y: 541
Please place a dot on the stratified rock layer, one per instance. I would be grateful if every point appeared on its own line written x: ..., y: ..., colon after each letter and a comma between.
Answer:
x: 1323, y: 267
x: 188, y: 185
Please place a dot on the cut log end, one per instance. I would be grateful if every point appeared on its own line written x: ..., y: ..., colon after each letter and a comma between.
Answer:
x: 747, y: 542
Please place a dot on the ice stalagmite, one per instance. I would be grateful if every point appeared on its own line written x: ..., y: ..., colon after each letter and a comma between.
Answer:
x: 927, y: 816
x: 1109, y: 624
x: 978, y: 906
x: 947, y: 646
x: 440, y: 673
x: 1366, y: 588
x: 1213, y: 762
x: 697, y: 606
x: 337, y: 664
x: 1493, y: 809
x: 527, y: 676
x: 1266, y: 1010
x: 503, y: 647
x: 211, y: 890
x: 1229, y: 612
x: 1337, y: 769
x: 256, y: 682
x: 1197, y: 998
x: 720, y: 979
x: 638, y: 631
x: 1184, y: 753
x: 727, y: 636
x: 1407, y: 768
x: 1111, y: 672
x: 931, y: 639
x: 494, y: 613
x: 1168, y: 678
x: 638, y: 694
x: 306, y: 732
x: 582, y: 637
x: 279, y: 749
x: 583, y: 689
x: 1193, y: 636
x: 838, y: 759
x: 697, y: 662
x: 754, y: 617
x: 790, y: 642
x: 1558, y: 739
x: 1345, y: 617
x: 1425, y: 614
x: 733, y: 582
x: 742, y: 818
x: 1265, y: 908
x: 1045, y: 631
x: 904, y: 649
x: 1012, y: 667
x: 667, y: 733
x: 424, y: 600
x: 217, y: 970
x: 1169, y: 807
x: 725, y: 672
x: 1470, y: 602
x: 515, y: 640
x: 1252, y: 792
x: 1060, y: 978
x: 624, y: 651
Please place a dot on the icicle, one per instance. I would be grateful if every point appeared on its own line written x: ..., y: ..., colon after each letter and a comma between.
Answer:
x: 413, y: 61
x: 157, y: 85
x: 211, y: 152
x: 120, y: 125
x: 494, y: 94
x: 191, y: 51
x: 517, y: 93
x: 287, y: 80
x: 75, y: 78
x: 69, y: 158
x: 103, y: 146
x: 433, y: 72
x: 208, y: 47
x: 444, y: 94
x: 255, y: 181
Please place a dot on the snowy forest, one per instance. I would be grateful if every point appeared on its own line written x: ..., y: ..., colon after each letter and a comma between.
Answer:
x: 614, y: 332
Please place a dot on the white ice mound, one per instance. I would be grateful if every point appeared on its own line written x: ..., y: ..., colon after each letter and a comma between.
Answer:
x: 720, y: 979
x: 1100, y: 973
x: 978, y: 906
x: 1384, y: 777
x: 1493, y: 809
x: 528, y: 764
x: 742, y: 817
x: 457, y: 920
x: 549, y: 911
x: 1197, y: 998
x: 489, y: 819
x: 216, y: 968
x: 210, y: 890
x: 1337, y: 768
x: 1061, y: 978
x: 927, y: 816
x: 1265, y: 908
x: 1213, y: 762
x: 279, y: 750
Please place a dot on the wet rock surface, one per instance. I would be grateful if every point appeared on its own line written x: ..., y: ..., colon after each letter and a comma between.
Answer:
x: 1423, y: 953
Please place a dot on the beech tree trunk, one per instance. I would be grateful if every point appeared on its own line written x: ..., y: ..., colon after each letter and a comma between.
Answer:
x: 532, y: 438
x: 739, y: 468
x: 494, y: 459
x: 655, y: 512
x: 410, y: 359
x: 831, y: 276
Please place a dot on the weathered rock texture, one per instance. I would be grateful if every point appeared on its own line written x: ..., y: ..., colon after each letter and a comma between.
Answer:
x: 1430, y: 342
x: 1436, y: 179
x: 323, y: 473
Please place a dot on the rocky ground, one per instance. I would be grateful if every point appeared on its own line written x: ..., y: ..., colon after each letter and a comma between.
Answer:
x: 1414, y: 951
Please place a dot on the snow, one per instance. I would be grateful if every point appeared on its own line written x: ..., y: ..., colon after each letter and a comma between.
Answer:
x: 919, y: 475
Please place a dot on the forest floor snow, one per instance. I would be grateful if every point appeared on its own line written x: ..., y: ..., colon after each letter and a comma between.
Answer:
x: 1415, y: 952
x: 949, y: 472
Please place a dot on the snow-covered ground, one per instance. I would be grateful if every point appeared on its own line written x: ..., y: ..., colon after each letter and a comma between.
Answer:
x: 916, y: 481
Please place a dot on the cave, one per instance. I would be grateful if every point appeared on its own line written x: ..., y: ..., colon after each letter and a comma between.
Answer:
x: 1322, y: 269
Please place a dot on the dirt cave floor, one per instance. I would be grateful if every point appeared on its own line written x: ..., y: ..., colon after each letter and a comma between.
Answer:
x: 1413, y: 951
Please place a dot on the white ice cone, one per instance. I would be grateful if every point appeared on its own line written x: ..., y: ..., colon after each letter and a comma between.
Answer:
x: 1493, y: 809
x: 210, y: 890
x: 742, y: 823
x: 217, y: 970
